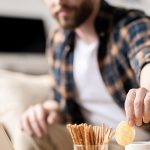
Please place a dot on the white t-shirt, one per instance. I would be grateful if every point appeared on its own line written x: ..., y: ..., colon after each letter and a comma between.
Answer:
x: 96, y: 103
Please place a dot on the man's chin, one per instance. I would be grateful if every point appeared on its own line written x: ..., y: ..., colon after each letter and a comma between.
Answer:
x: 66, y: 27
x: 67, y: 24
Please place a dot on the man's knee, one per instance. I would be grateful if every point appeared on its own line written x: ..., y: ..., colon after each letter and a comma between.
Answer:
x: 23, y: 141
x: 59, y: 135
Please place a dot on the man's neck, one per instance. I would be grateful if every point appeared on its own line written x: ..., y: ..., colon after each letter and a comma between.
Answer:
x: 86, y: 31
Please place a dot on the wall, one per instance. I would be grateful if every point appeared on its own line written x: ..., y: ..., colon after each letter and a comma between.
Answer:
x: 139, y: 4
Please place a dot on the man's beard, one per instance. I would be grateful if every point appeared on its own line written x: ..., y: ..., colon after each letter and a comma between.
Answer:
x: 78, y: 15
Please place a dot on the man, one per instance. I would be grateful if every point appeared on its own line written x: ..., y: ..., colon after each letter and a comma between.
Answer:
x: 100, y: 62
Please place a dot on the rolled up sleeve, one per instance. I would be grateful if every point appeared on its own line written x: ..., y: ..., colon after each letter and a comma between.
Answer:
x: 138, y: 39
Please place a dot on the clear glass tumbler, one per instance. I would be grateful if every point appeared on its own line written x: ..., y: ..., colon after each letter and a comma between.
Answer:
x: 91, y: 147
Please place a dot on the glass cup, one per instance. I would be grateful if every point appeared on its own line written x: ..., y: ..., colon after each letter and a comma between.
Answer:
x: 91, y: 147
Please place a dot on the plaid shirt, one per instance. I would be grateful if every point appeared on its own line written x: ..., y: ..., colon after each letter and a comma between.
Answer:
x: 124, y: 50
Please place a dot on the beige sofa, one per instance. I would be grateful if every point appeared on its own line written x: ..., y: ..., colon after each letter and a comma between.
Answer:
x: 17, y: 92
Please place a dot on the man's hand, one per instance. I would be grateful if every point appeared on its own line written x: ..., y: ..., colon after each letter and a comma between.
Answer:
x: 34, y: 121
x: 137, y: 106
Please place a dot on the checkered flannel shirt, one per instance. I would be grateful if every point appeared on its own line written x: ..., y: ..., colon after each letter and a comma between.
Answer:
x: 124, y: 50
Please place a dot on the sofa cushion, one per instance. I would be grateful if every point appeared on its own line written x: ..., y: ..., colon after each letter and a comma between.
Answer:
x: 16, y: 88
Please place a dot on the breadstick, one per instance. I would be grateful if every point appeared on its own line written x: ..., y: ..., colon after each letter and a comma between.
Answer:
x: 89, y: 136
x: 72, y: 136
x: 103, y: 126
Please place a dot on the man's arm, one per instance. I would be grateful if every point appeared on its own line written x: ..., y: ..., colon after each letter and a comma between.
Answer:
x: 145, y: 77
x: 145, y: 82
x: 137, y: 103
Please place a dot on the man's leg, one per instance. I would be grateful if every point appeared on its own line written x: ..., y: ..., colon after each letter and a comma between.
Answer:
x: 58, y: 138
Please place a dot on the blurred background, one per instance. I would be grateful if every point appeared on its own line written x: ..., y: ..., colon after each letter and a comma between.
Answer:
x: 23, y: 28
x: 23, y: 66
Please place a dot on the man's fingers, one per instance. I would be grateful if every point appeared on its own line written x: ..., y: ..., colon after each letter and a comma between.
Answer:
x: 129, y: 106
x: 53, y: 117
x: 139, y: 105
x: 25, y: 124
x: 146, y: 117
x: 41, y: 117
x: 34, y: 123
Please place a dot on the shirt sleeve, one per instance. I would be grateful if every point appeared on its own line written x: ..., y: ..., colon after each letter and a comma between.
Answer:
x: 53, y: 87
x: 137, y: 35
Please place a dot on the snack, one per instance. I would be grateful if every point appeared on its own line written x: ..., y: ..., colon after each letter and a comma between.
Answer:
x: 125, y: 134
x: 84, y: 134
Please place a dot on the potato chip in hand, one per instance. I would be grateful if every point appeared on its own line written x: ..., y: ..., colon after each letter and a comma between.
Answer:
x: 125, y: 134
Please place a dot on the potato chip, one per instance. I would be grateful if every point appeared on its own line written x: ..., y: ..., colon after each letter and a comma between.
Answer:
x: 125, y: 134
